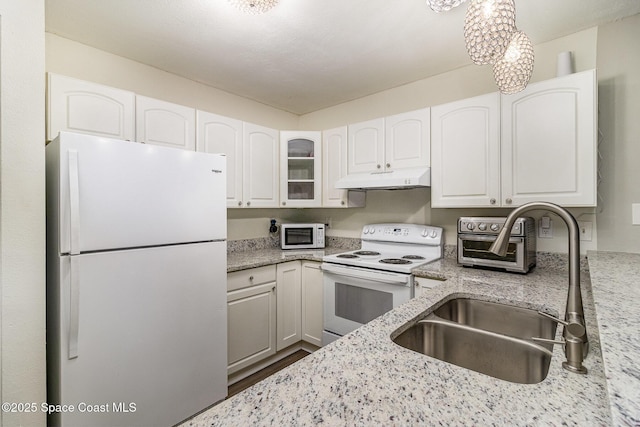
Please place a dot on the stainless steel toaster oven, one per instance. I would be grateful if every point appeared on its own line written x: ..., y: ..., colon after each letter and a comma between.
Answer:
x: 476, y: 234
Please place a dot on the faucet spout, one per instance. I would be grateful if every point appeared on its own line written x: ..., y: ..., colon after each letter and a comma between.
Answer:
x: 575, y: 333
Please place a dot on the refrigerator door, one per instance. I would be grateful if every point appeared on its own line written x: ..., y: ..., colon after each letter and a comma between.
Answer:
x: 112, y: 194
x: 151, y: 335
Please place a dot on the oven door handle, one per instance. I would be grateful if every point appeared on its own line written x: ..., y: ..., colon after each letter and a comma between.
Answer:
x: 367, y: 274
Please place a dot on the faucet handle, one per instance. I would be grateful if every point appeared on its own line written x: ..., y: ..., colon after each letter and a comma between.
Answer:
x: 576, y: 329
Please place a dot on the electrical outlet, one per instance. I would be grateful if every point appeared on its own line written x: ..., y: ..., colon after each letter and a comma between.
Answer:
x: 327, y: 222
x: 586, y: 230
x: 635, y: 214
x: 545, y: 228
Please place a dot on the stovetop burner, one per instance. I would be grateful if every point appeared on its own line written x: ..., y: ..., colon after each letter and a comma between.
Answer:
x: 347, y: 256
x: 395, y: 261
x: 367, y: 253
x: 413, y: 257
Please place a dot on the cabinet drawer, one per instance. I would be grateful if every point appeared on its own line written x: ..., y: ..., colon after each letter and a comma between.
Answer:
x: 251, y: 277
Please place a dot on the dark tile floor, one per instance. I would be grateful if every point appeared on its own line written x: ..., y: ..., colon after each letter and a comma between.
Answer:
x: 264, y: 373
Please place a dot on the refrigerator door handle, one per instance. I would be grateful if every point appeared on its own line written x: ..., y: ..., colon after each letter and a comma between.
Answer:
x: 74, y: 307
x: 74, y: 201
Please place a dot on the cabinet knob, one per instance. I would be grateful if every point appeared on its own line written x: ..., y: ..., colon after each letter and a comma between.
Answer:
x: 378, y: 166
x: 240, y: 203
x: 248, y: 203
x: 508, y: 201
x: 284, y: 203
x: 342, y: 203
x: 388, y: 165
x: 273, y: 289
x: 492, y: 201
x: 251, y: 278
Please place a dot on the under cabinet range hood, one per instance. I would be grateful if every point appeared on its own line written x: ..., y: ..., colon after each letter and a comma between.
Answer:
x: 390, y: 180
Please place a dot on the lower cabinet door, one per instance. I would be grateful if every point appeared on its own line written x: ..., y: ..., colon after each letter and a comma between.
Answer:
x: 251, y: 325
x: 288, y: 306
x: 312, y: 303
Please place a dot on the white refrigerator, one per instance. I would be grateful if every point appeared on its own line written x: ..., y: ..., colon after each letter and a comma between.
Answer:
x: 136, y: 282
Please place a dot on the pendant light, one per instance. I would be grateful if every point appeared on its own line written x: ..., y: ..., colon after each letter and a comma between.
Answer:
x: 488, y: 29
x: 513, y: 71
x: 254, y: 7
x: 444, y: 5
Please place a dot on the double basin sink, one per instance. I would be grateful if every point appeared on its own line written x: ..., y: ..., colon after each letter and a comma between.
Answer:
x: 490, y: 338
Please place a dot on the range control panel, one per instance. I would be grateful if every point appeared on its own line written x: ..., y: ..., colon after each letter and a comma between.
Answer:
x: 403, y: 233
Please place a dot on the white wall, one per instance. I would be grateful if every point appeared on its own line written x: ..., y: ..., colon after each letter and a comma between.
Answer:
x: 22, y: 200
x: 619, y: 103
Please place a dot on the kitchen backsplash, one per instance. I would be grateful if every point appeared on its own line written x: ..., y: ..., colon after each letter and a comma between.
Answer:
x: 550, y: 260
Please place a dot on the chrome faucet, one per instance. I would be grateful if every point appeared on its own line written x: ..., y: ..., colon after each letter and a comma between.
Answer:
x: 575, y: 333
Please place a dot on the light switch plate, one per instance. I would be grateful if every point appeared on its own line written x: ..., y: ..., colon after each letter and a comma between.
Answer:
x: 635, y: 214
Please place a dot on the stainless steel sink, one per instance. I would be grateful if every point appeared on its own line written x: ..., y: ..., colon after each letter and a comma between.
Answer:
x: 503, y: 319
x: 490, y: 338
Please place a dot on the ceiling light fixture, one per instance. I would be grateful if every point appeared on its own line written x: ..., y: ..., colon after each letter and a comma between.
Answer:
x: 488, y: 28
x: 254, y: 7
x: 444, y: 5
x: 513, y: 71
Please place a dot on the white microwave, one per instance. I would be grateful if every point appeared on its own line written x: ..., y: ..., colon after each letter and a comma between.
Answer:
x: 302, y: 236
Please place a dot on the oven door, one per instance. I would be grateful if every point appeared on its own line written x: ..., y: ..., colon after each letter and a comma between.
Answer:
x: 474, y: 250
x: 354, y: 296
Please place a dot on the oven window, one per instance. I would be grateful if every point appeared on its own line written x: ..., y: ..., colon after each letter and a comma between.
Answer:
x: 298, y: 236
x: 361, y: 305
x: 480, y: 250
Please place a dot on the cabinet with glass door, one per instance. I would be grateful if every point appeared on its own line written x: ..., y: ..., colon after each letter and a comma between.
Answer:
x: 300, y: 166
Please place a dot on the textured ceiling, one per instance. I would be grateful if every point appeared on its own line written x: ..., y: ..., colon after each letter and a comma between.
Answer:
x: 304, y: 55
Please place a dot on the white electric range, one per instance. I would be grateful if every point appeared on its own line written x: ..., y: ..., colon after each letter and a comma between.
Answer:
x: 363, y: 284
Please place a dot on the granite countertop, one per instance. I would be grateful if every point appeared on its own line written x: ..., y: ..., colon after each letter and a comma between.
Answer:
x: 616, y: 291
x: 366, y: 379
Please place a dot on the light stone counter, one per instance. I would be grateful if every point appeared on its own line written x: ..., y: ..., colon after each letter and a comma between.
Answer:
x: 616, y: 288
x: 365, y: 379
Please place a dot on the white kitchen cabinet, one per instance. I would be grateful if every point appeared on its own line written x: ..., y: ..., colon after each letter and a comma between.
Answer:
x: 334, y: 167
x: 251, y: 315
x: 260, y: 167
x: 312, y: 302
x: 549, y: 142
x: 366, y: 146
x: 219, y: 134
x: 407, y: 140
x: 79, y: 106
x: 506, y: 150
x: 289, y: 307
x: 395, y: 142
x: 165, y: 123
x: 422, y: 284
x: 465, y: 150
x: 300, y: 169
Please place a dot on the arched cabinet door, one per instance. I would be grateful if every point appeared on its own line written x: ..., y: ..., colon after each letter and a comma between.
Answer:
x: 164, y: 123
x: 84, y: 107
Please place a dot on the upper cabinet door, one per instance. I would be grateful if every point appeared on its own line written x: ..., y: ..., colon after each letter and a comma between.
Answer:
x: 334, y: 166
x: 300, y: 169
x: 366, y: 146
x: 164, y: 123
x: 84, y: 107
x: 219, y: 134
x: 260, y: 167
x: 465, y: 144
x: 549, y: 142
x: 407, y: 140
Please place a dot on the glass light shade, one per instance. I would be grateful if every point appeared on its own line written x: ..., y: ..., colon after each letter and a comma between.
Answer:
x: 254, y: 7
x: 444, y: 5
x: 513, y: 71
x: 488, y: 28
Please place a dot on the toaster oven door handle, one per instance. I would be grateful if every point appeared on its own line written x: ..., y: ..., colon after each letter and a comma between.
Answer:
x: 366, y: 274
x: 488, y: 238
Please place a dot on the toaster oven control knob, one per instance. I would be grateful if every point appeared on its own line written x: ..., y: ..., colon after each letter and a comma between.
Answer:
x: 495, y: 227
x: 482, y: 226
x: 471, y: 226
